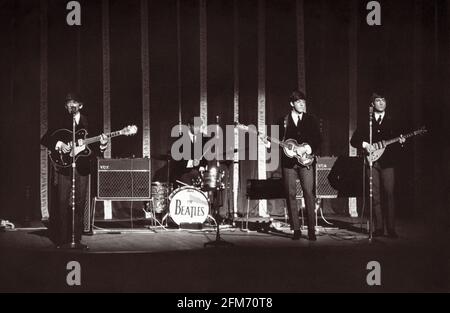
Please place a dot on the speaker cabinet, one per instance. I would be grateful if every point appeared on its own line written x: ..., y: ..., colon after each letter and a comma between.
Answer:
x: 87, y: 208
x: 323, y: 187
x: 124, y: 179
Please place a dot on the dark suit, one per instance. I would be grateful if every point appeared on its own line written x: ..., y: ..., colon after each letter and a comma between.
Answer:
x: 180, y: 169
x: 383, y: 174
x: 61, y: 187
x: 306, y: 131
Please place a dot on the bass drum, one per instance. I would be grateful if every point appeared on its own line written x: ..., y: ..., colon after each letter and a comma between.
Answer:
x: 188, y: 205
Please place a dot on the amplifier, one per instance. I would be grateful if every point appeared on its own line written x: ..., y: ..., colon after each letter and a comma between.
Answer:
x: 124, y: 179
x: 87, y: 208
x: 298, y: 189
x: 265, y: 189
x: 323, y: 186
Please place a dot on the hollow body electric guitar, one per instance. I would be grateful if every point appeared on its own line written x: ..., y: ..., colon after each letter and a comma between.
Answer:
x: 61, y: 159
x: 380, y: 146
x: 291, y: 147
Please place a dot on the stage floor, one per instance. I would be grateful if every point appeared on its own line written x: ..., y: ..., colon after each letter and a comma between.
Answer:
x: 157, y: 260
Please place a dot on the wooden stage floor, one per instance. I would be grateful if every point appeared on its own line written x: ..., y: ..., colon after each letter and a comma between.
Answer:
x: 145, y: 260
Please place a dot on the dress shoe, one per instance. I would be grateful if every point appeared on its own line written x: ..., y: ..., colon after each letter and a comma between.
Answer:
x: 297, y: 235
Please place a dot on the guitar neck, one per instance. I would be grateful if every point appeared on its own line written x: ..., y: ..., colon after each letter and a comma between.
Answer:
x: 88, y: 141
x: 274, y: 140
x: 263, y: 136
x: 396, y: 139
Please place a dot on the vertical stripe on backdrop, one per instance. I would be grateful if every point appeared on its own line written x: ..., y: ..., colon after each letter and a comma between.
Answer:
x: 261, y: 114
x: 43, y: 104
x: 236, y: 105
x: 353, y: 92
x: 145, y: 80
x: 203, y: 63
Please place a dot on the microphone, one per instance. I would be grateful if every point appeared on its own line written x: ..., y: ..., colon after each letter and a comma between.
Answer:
x: 73, y: 108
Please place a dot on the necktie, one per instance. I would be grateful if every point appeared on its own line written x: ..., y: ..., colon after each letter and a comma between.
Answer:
x: 298, y: 119
x: 379, y: 119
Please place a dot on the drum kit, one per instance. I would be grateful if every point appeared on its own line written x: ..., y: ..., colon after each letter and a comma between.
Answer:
x: 188, y: 204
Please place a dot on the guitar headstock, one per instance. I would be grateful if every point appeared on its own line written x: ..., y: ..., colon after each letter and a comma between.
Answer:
x: 129, y: 130
x: 421, y: 131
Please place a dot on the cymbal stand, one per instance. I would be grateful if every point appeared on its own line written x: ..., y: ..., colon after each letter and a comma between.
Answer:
x: 218, y: 242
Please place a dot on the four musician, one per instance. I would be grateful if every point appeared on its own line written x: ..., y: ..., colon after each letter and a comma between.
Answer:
x: 297, y: 125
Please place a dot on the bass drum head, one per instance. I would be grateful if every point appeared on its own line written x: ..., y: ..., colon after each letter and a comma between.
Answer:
x: 188, y: 205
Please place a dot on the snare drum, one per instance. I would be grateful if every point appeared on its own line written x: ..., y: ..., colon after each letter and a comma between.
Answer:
x: 212, y: 179
x: 160, y: 194
x: 188, y: 205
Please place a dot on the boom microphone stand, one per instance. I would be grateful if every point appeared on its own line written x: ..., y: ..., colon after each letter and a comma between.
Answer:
x: 73, y: 244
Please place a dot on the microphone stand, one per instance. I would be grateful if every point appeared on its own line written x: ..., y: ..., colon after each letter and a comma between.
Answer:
x: 73, y: 244
x: 370, y: 175
x: 219, y: 242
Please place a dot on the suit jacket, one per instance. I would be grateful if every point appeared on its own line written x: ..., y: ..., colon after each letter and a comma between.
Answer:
x: 306, y: 131
x: 180, y: 167
x: 83, y: 164
x: 386, y: 130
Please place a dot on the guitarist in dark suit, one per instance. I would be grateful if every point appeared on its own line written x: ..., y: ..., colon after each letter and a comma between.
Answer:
x: 61, y: 210
x: 384, y: 127
x: 304, y: 128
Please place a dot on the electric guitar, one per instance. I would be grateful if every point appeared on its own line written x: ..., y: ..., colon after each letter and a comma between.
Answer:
x: 291, y: 147
x: 380, y: 146
x: 61, y: 159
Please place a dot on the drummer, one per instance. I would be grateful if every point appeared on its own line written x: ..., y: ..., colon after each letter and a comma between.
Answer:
x: 188, y: 171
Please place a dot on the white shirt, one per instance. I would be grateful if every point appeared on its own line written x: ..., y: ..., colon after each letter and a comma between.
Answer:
x: 77, y: 117
x: 191, y: 136
x: 378, y: 114
x: 296, y: 116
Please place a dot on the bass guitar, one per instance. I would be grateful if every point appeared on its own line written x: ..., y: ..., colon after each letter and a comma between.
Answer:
x: 291, y: 147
